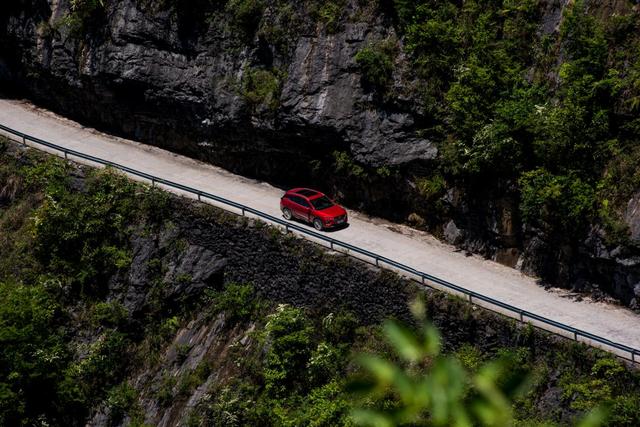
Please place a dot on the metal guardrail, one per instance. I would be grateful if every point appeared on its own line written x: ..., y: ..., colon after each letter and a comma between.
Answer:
x: 426, y: 279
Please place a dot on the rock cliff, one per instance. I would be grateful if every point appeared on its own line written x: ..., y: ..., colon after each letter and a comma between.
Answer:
x: 277, y: 90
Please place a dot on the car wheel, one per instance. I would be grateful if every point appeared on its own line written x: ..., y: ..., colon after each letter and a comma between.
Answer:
x: 317, y: 224
x: 286, y: 213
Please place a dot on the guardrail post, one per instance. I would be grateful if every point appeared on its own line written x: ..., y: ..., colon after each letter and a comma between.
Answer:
x: 521, y: 317
x: 633, y: 356
x: 199, y: 199
x: 331, y: 244
x: 242, y: 211
x: 153, y: 182
x: 422, y: 277
x: 470, y: 299
x: 377, y: 264
x: 65, y: 156
x: 286, y: 228
x: 24, y: 141
x: 575, y: 335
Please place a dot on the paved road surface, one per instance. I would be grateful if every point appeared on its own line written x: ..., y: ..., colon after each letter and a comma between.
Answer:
x: 413, y: 248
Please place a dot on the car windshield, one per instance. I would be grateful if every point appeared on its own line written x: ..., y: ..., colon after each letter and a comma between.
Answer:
x: 321, y: 203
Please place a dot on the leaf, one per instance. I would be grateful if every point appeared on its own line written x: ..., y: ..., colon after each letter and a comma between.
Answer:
x: 368, y: 417
x: 595, y: 418
x: 404, y: 342
x: 382, y: 370
x: 431, y: 340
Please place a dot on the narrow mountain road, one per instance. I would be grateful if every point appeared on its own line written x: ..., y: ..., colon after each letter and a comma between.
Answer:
x: 416, y: 249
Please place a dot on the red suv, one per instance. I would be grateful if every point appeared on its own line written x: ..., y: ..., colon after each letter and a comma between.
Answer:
x: 314, y: 207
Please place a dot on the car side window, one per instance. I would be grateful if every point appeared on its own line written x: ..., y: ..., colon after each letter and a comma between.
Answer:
x: 304, y: 203
x: 299, y: 200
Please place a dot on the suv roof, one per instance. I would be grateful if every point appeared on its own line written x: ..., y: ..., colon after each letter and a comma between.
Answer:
x: 306, y: 192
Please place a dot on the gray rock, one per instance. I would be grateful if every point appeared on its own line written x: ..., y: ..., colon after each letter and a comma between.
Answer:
x: 452, y: 233
x: 632, y: 217
x: 194, y: 269
x: 145, y: 77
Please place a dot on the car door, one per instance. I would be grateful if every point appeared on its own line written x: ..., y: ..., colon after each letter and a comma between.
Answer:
x: 295, y: 206
x: 306, y: 210
x: 300, y: 208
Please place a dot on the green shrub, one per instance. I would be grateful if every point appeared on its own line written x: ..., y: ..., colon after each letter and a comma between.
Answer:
x: 46, y: 173
x: 430, y: 187
x: 109, y: 314
x: 330, y: 13
x: 288, y: 334
x: 85, y: 16
x: 376, y: 65
x: 84, y: 236
x: 193, y: 379
x: 345, y: 164
x: 556, y: 201
x: 238, y: 301
x: 155, y: 205
x: 246, y: 14
x: 441, y: 394
x: 470, y: 357
x: 323, y: 363
x: 340, y: 327
x: 261, y: 88
x: 32, y: 353
x: 121, y: 399
x: 326, y: 406
x: 165, y: 392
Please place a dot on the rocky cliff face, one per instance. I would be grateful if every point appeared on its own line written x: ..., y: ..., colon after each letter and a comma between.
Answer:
x: 169, y: 80
x: 274, y: 90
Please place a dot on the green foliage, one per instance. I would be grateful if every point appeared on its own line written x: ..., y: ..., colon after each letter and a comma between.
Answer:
x: 340, y: 327
x: 329, y: 13
x: 32, y: 353
x: 237, y: 301
x: 288, y: 334
x: 444, y: 393
x: 83, y: 235
x: 261, y: 88
x: 165, y: 392
x: 193, y: 379
x: 603, y: 388
x: 549, y: 199
x: 120, y: 400
x: 109, y: 314
x: 246, y: 14
x: 47, y: 173
x: 485, y: 72
x: 470, y: 357
x: 376, y: 64
x: 584, y: 39
x: 327, y: 405
x: 323, y: 363
x: 91, y: 377
x: 85, y: 16
x: 345, y: 164
x: 155, y: 204
x: 430, y: 187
